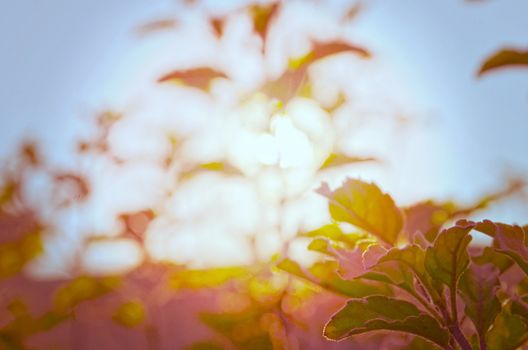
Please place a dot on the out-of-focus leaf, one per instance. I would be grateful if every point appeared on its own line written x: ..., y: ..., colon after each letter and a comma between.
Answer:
x: 320, y: 245
x: 322, y: 50
x: 8, y: 191
x: 16, y: 254
x: 338, y: 159
x: 340, y: 101
x: 363, y: 205
x: 294, y: 79
x: 29, y: 152
x: 376, y: 313
x: 81, y: 289
x: 478, y: 286
x: 418, y: 343
x: 199, y: 78
x: 130, y: 314
x: 509, y: 240
x: 243, y: 329
x: 218, y: 26
x: 286, y: 86
x: 519, y: 306
x: 325, y: 276
x: 428, y: 217
x: 448, y: 258
x: 157, y: 26
x: 490, y: 256
x: 508, y: 332
x: 263, y: 17
x: 205, y: 346
x: 503, y: 59
x: 207, y: 278
x: 334, y: 233
x: 220, y: 167
x: 136, y: 224
x: 70, y: 188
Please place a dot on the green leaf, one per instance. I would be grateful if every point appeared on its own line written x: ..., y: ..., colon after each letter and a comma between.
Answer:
x: 363, y: 205
x: 382, y: 313
x: 508, y: 332
x: 448, y: 258
x: 478, y: 286
x: 503, y: 59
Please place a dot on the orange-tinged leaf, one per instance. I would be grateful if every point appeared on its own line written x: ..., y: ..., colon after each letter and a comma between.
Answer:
x: 263, y: 17
x: 504, y: 58
x: 218, y: 26
x: 136, y: 224
x: 71, y: 188
x: 322, y: 50
x: 365, y: 206
x: 156, y: 26
x: 287, y: 86
x: 199, y: 78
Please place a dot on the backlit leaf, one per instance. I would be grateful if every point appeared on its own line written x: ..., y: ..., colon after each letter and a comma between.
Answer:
x: 509, y: 240
x: 448, y: 258
x: 478, y: 286
x: 490, y: 256
x: 382, y: 313
x: 503, y: 59
x: 507, y: 333
x: 363, y: 205
x: 325, y: 276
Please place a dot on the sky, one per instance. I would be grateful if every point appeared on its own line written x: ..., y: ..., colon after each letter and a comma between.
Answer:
x: 63, y: 61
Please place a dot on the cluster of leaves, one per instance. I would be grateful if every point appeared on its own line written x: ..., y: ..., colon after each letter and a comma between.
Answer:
x: 408, y: 275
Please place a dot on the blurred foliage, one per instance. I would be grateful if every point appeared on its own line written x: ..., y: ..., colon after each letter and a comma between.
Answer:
x: 405, y: 270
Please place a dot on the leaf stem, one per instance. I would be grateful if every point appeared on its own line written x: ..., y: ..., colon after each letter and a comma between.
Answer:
x: 454, y: 328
